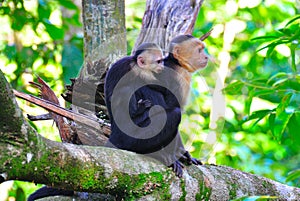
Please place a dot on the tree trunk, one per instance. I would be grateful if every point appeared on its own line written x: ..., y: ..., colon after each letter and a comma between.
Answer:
x: 27, y: 156
x: 163, y: 20
x: 104, y: 43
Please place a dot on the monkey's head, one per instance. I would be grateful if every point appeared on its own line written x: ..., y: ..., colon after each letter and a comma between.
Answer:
x: 149, y: 60
x: 189, y: 51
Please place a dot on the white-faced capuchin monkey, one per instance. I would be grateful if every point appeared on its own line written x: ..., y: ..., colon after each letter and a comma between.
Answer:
x: 186, y: 56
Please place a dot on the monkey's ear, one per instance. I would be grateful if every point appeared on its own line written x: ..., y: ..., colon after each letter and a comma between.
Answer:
x: 140, y: 61
x: 176, y: 51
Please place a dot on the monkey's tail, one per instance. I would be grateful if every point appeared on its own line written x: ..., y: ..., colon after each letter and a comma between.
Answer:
x: 48, y: 191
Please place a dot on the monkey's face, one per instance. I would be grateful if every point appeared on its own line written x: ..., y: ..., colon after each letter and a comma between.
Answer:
x: 152, y: 61
x: 199, y: 56
x: 191, y: 55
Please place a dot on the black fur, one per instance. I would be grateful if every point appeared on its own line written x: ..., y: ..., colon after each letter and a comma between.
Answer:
x: 139, y: 114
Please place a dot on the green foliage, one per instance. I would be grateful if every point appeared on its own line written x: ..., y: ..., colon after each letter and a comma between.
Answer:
x: 282, y: 88
x: 261, y: 122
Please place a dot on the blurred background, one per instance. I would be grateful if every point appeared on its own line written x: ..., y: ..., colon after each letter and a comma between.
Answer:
x: 255, y: 56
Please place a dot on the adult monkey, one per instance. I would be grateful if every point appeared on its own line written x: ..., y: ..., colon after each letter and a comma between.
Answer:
x: 186, y: 56
x: 141, y: 121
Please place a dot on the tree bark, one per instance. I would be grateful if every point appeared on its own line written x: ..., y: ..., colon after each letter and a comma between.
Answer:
x: 27, y: 156
x: 163, y: 20
x: 104, y: 43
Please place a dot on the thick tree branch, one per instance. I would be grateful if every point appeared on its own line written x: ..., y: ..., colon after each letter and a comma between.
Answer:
x: 27, y: 156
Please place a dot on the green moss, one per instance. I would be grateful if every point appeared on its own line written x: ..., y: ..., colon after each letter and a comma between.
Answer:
x: 205, y: 192
x: 233, y: 189
x: 182, y: 185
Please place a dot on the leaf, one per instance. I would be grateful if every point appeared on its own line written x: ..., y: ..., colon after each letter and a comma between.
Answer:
x: 276, y: 76
x: 54, y: 32
x: 273, y: 44
x: 283, y: 116
x: 272, y: 121
x: 261, y: 92
x: 19, y: 19
x: 284, y: 103
x: 293, y: 175
x: 43, y: 10
x: 265, y: 38
x: 280, y: 124
x: 234, y: 87
x: 249, y: 101
x: 292, y: 20
x: 279, y: 82
x: 293, y: 54
x: 68, y: 4
x: 293, y: 129
x: 260, y: 114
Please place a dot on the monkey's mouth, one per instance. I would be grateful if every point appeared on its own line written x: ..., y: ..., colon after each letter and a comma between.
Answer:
x: 203, y: 63
x: 159, y: 70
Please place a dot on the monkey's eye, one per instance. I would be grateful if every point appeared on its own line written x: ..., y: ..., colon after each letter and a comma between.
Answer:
x: 200, y: 50
x: 159, y: 61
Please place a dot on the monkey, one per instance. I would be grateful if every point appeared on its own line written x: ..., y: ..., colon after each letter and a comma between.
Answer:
x: 186, y: 56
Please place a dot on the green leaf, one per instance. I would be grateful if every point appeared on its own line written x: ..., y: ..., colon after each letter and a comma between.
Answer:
x: 293, y: 175
x: 234, y: 87
x: 68, y: 4
x: 280, y: 82
x: 43, y: 10
x: 54, y: 32
x: 19, y: 19
x: 272, y: 121
x: 261, y: 92
x: 265, y: 38
x: 280, y: 124
x: 249, y: 101
x: 283, y: 116
x: 292, y: 20
x: 284, y: 103
x: 260, y: 114
x: 276, y: 76
x: 293, y: 128
x: 293, y: 54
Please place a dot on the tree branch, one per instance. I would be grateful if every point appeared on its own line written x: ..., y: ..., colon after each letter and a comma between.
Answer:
x: 27, y: 156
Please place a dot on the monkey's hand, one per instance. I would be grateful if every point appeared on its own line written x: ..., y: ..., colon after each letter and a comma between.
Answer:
x: 142, y: 105
x: 187, y: 158
x: 177, y: 168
